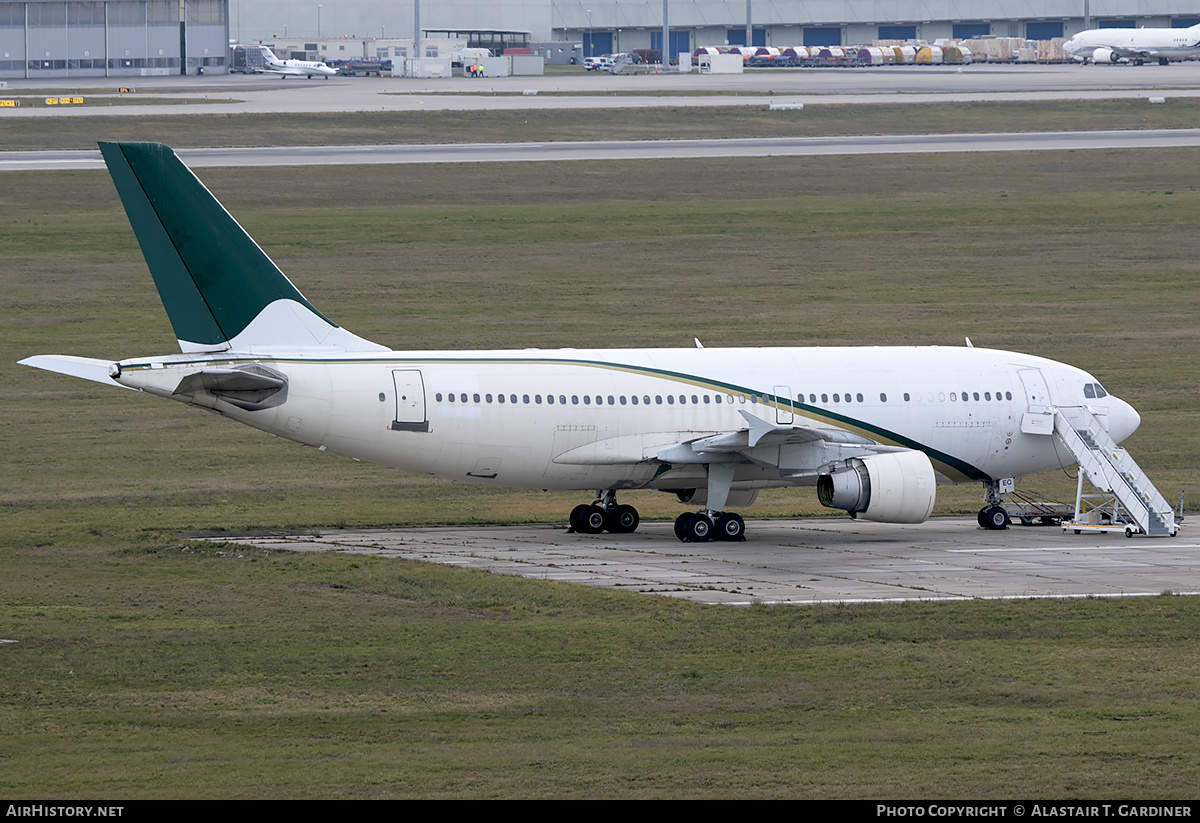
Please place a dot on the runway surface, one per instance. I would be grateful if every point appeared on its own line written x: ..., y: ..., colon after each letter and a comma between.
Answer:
x: 626, y: 149
x: 799, y: 561
x: 239, y: 94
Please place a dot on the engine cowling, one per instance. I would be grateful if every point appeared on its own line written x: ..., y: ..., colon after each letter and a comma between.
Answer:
x: 896, y: 487
x: 1104, y: 56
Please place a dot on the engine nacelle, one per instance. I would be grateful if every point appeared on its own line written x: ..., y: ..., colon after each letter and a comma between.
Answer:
x: 1104, y: 56
x: 895, y: 487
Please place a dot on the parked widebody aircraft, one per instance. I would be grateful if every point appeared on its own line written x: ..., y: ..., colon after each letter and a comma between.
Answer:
x: 874, y: 429
x: 1135, y: 45
x: 300, y: 68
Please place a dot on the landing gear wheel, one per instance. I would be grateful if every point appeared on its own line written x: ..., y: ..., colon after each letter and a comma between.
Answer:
x: 981, y: 519
x: 730, y: 527
x: 623, y: 520
x: 576, y: 518
x: 594, y: 520
x: 699, y: 528
x: 995, y: 518
x: 681, y: 526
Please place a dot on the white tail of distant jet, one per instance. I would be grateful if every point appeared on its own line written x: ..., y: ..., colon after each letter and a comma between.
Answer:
x: 302, y: 68
x: 1134, y: 45
x: 874, y: 429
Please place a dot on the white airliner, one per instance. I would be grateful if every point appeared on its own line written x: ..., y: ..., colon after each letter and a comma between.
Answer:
x: 1134, y: 45
x: 874, y: 429
x: 283, y: 68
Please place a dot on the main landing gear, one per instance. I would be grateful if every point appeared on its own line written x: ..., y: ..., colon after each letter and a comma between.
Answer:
x: 698, y: 527
x: 604, y: 514
x: 993, y: 516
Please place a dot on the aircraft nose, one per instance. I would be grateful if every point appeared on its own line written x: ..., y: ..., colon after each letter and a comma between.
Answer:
x: 1123, y: 419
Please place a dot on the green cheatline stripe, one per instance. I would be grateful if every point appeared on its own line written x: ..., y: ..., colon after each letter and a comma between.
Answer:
x: 951, y: 466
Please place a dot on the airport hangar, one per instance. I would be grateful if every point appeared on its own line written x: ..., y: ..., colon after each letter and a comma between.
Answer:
x: 136, y: 38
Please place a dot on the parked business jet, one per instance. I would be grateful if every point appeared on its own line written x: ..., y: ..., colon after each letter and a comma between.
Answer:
x: 283, y: 68
x: 874, y: 429
x: 1134, y: 45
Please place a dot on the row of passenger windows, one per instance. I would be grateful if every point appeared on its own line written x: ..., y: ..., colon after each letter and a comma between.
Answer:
x: 684, y: 399
x: 599, y: 400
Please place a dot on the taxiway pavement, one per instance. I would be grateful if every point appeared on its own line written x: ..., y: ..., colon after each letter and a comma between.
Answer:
x: 798, y: 561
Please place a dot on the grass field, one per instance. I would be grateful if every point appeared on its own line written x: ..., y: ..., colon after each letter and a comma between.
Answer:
x: 148, y: 667
x: 371, y: 128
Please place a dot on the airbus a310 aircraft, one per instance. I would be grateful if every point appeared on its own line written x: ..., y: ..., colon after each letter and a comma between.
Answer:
x: 298, y: 68
x: 874, y: 429
x: 1134, y: 45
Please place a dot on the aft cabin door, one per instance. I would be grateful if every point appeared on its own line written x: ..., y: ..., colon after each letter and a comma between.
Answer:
x: 410, y: 401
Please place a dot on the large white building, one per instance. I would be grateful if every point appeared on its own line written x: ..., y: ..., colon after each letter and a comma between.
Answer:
x: 48, y: 38
x: 623, y: 25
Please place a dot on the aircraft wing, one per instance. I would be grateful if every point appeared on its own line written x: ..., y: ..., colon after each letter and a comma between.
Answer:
x: 759, y: 442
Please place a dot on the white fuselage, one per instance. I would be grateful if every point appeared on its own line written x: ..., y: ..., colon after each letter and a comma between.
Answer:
x: 597, y: 419
x: 1110, y: 45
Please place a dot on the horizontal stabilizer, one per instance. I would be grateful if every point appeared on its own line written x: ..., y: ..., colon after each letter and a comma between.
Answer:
x: 88, y: 368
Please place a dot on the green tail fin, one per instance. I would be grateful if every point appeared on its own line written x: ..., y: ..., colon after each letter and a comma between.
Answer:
x: 212, y: 277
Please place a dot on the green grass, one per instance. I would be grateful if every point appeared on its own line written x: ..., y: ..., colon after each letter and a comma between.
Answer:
x: 541, y: 125
x: 149, y: 667
x: 172, y: 671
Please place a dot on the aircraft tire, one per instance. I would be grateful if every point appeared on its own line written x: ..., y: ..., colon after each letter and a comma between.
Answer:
x: 576, y: 518
x: 623, y: 520
x: 996, y: 518
x: 699, y: 528
x: 730, y: 527
x: 594, y: 520
x: 681, y: 526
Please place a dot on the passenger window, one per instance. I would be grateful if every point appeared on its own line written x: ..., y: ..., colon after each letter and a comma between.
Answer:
x: 707, y: 399
x: 450, y: 397
x: 562, y: 398
x: 476, y: 396
x: 439, y: 397
x: 658, y: 399
x: 587, y: 400
x: 574, y: 400
x: 1008, y: 395
x: 550, y: 399
x: 825, y: 398
x: 463, y: 397
x: 837, y: 398
x: 488, y: 398
x: 634, y: 399
x: 525, y: 399
x: 622, y: 400
x: 670, y: 400
x: 858, y: 397
x: 611, y: 401
x: 500, y: 397
x: 975, y: 395
x: 987, y: 395
x: 907, y: 399
x: 882, y: 397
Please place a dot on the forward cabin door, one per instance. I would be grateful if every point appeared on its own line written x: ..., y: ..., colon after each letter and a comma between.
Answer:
x: 410, y: 401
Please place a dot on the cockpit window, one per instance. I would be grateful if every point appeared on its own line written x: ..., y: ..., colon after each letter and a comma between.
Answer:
x: 1100, y: 392
x: 1089, y: 390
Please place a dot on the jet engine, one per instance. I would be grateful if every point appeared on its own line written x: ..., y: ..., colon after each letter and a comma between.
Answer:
x: 1104, y: 56
x: 895, y: 487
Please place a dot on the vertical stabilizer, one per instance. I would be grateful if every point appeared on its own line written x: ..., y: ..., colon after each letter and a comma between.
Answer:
x: 220, y: 290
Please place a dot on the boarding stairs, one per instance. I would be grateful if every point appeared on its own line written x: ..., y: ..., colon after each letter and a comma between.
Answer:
x: 1111, y: 470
